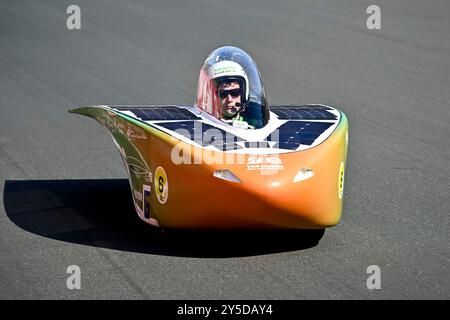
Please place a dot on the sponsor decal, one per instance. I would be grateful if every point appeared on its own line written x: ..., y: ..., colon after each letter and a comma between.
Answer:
x: 135, y: 133
x: 161, y: 185
x: 223, y: 69
x: 341, y: 180
x: 137, y: 167
x: 264, y: 163
x: 146, y: 201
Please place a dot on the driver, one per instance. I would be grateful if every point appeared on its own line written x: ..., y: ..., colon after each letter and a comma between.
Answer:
x: 229, y: 92
x: 231, y: 85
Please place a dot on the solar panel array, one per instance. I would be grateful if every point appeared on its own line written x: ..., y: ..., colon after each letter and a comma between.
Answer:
x: 290, y: 135
x: 309, y: 112
x: 154, y: 113
x: 293, y: 133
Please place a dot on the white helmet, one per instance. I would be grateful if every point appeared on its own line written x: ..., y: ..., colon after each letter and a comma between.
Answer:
x: 230, y: 70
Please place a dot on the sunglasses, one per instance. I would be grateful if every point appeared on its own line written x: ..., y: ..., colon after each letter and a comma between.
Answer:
x: 234, y: 93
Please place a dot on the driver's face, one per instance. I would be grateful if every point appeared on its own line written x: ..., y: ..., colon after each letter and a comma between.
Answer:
x: 229, y: 95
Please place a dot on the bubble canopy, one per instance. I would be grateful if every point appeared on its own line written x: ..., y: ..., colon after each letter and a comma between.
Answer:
x: 233, y: 64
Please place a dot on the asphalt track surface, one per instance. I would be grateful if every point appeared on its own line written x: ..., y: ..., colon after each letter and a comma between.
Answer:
x: 65, y: 198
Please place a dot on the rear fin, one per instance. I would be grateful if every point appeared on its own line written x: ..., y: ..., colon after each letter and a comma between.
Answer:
x: 89, y: 111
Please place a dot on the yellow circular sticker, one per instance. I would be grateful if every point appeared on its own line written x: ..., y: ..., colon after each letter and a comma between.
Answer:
x: 161, y: 185
x: 341, y: 180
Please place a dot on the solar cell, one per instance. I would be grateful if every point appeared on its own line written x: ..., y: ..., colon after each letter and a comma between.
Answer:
x: 155, y: 113
x: 293, y: 133
x: 303, y: 112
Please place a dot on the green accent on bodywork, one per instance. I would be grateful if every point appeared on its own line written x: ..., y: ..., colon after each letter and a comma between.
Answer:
x: 343, y: 120
x: 136, y: 161
x: 90, y: 111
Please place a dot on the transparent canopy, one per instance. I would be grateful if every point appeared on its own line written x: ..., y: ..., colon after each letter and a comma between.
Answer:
x: 230, y: 89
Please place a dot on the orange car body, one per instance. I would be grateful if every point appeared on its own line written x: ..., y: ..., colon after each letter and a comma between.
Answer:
x: 292, y: 181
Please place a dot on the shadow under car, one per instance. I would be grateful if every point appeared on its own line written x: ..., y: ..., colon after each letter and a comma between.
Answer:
x: 100, y: 213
